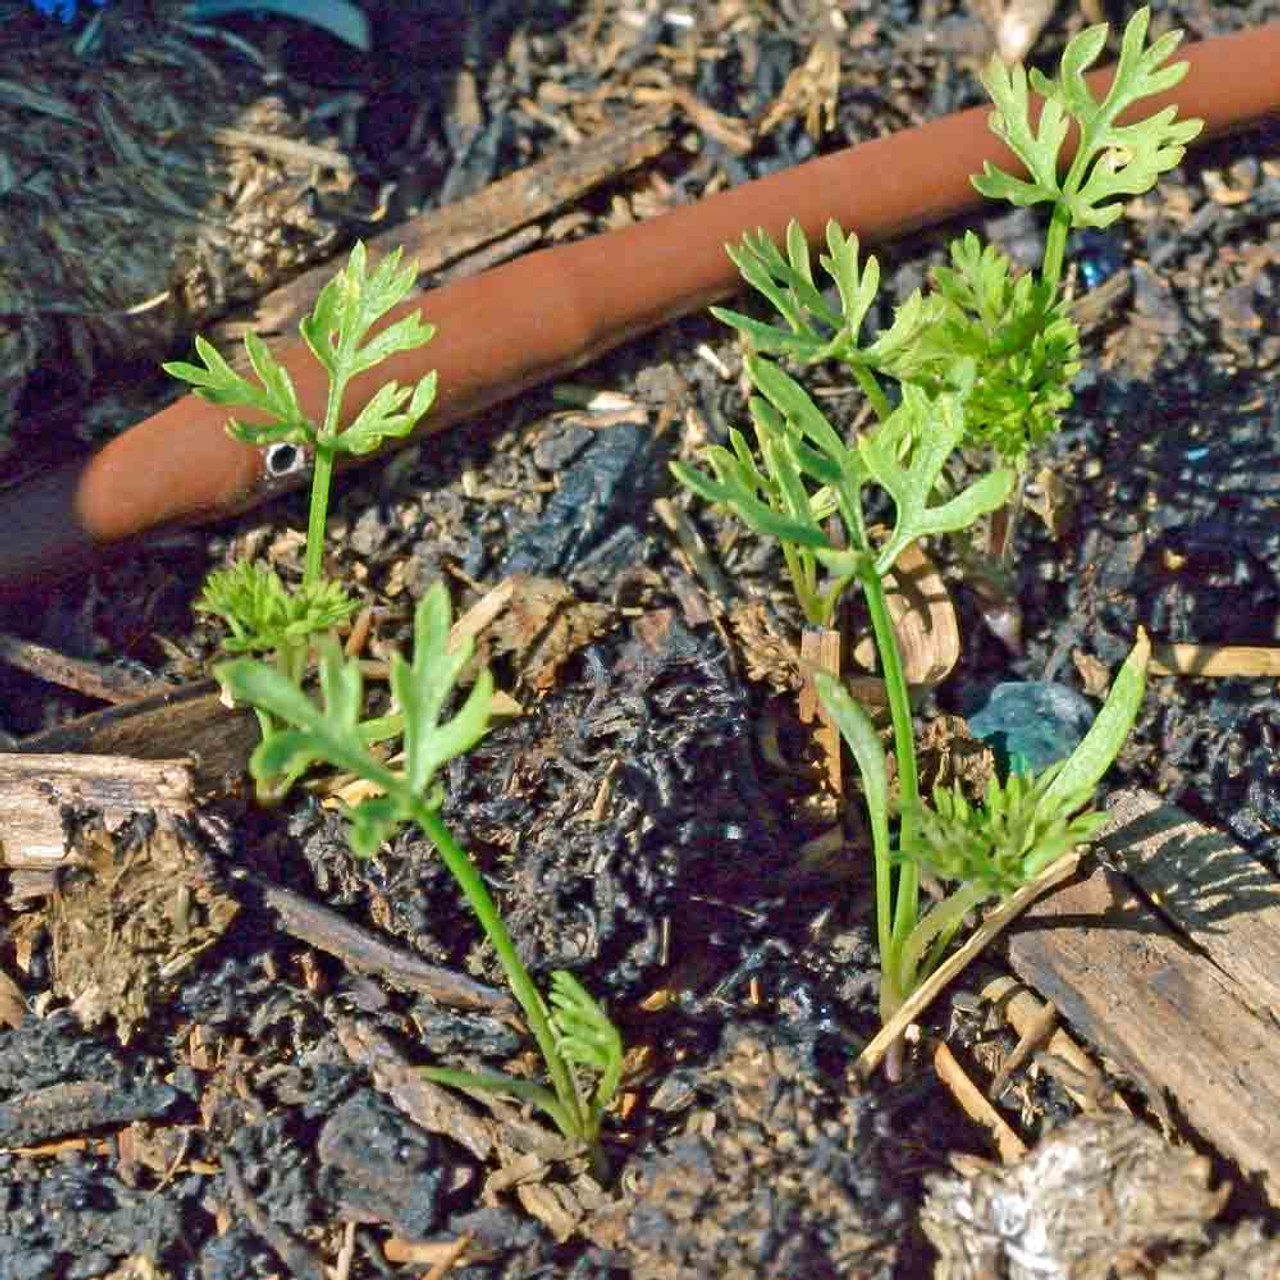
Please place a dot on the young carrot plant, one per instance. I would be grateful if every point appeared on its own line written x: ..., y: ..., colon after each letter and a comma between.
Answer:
x: 986, y: 359
x: 580, y: 1046
x: 263, y: 614
x: 575, y: 1030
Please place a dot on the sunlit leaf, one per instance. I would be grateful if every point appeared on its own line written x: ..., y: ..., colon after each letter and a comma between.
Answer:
x: 1112, y: 160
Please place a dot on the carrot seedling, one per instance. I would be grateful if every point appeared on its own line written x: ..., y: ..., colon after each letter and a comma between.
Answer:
x: 986, y: 359
x: 575, y: 1030
x: 262, y: 613
x: 574, y: 1033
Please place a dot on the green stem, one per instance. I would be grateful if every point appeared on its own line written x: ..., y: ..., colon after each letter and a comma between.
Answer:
x: 522, y: 985
x: 872, y: 389
x: 803, y: 573
x: 1055, y: 248
x: 322, y: 475
x: 895, y: 682
x: 321, y: 482
x: 889, y: 992
x: 942, y: 919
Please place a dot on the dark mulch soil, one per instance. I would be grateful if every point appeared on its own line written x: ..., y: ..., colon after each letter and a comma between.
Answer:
x: 631, y: 821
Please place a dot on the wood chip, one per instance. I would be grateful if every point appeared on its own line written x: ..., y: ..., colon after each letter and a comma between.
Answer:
x: 820, y: 651
x: 1215, y: 660
x: 766, y: 649
x: 13, y: 1005
x: 1194, y: 1023
x: 94, y: 679
x: 544, y: 624
x: 34, y: 790
x: 1095, y: 676
x: 440, y: 1256
x: 1220, y: 898
x: 359, y: 949
x: 189, y: 721
x: 976, y: 1107
x: 1028, y: 1015
x: 811, y: 91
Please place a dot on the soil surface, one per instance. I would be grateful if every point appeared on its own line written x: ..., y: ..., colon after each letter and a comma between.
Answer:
x: 209, y: 1068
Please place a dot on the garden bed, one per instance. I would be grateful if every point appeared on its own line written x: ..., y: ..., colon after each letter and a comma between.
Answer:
x: 214, y: 1023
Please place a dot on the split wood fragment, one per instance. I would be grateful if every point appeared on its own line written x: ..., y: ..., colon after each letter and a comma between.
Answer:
x: 1218, y: 897
x: 1025, y: 1012
x: 1215, y: 660
x: 364, y: 952
x: 1127, y: 959
x: 13, y: 1005
x: 93, y: 679
x: 820, y: 651
x: 188, y: 721
x: 975, y: 1105
x: 441, y: 1256
x: 34, y: 790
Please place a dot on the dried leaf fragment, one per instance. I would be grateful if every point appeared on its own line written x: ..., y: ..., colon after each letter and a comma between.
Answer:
x: 1015, y: 24
x: 924, y: 620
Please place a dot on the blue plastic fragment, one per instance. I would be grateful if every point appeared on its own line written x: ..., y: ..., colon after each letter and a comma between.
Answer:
x: 62, y: 9
x: 1031, y: 724
x: 1099, y: 254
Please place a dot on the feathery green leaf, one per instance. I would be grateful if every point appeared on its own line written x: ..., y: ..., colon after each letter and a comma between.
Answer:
x: 1112, y: 160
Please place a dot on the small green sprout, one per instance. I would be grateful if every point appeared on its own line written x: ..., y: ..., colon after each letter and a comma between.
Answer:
x: 337, y: 332
x: 583, y: 1035
x: 984, y: 360
x: 263, y: 615
x: 576, y: 1031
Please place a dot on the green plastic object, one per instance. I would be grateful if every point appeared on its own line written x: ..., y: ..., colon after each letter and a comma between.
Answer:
x: 346, y: 22
x: 1031, y: 724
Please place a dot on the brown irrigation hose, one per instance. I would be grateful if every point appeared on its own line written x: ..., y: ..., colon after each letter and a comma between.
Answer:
x: 553, y: 311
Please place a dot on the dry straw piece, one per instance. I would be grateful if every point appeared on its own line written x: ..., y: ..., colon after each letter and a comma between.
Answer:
x: 146, y: 182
